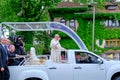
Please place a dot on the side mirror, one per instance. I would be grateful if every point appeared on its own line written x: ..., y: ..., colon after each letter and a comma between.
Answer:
x: 100, y: 61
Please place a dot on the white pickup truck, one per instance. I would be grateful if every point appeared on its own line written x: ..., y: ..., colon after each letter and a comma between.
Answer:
x: 93, y: 68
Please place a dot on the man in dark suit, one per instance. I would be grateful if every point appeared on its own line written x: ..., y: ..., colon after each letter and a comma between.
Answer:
x: 4, y: 71
x: 78, y: 58
x: 13, y: 57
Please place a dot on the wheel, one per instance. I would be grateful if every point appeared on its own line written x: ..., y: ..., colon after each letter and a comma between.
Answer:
x: 33, y: 79
x: 117, y: 78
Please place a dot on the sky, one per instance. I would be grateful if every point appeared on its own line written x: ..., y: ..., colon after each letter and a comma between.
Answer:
x: 118, y: 0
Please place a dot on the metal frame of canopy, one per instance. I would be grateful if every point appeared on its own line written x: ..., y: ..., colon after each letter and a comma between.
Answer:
x: 27, y: 26
x: 44, y: 26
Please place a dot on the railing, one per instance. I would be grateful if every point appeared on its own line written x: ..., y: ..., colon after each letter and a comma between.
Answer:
x: 25, y: 59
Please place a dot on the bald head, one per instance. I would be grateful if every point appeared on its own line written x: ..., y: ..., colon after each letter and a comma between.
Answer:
x: 11, y: 48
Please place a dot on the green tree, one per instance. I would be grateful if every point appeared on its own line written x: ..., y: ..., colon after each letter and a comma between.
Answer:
x: 34, y: 10
x: 25, y: 10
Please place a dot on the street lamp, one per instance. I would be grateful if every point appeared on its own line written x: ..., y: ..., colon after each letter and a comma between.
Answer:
x: 93, y: 26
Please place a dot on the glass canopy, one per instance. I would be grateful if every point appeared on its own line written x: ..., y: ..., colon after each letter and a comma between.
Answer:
x: 44, y: 26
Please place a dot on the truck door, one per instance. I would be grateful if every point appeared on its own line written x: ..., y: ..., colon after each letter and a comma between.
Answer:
x: 88, y: 68
x: 61, y: 70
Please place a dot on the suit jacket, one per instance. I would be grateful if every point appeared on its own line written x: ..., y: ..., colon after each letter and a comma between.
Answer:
x: 79, y: 61
x: 10, y: 54
x: 84, y: 61
x: 12, y: 60
x: 3, y: 60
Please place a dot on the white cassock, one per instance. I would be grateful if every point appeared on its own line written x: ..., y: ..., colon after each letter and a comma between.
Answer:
x: 55, y: 50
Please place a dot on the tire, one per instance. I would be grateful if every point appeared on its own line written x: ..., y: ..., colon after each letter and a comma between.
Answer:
x: 117, y: 78
x: 33, y: 79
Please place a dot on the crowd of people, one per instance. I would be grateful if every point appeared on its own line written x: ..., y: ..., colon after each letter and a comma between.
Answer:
x: 10, y: 54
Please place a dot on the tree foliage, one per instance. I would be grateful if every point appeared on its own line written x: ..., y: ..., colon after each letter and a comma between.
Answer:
x: 25, y: 10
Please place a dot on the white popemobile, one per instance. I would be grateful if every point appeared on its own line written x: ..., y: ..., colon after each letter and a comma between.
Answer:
x: 42, y: 68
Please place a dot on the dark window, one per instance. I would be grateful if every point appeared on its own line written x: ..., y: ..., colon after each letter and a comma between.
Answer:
x: 112, y: 23
x: 63, y: 57
x: 72, y: 23
x: 63, y: 21
x: 111, y: 7
x: 85, y: 58
x: 118, y: 22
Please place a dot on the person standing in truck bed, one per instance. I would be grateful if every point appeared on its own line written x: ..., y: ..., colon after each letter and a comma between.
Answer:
x: 55, y: 48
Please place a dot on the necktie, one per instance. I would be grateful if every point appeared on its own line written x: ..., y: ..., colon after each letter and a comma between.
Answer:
x: 6, y: 51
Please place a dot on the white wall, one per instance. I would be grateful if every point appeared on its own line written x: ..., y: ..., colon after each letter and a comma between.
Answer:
x: 117, y: 0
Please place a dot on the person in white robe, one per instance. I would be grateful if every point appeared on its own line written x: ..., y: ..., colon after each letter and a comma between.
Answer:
x: 56, y: 48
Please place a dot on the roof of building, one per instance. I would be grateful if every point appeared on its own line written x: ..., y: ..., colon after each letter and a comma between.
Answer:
x: 67, y: 4
x: 115, y: 8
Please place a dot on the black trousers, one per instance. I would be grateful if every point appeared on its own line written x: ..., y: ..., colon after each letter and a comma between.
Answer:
x: 5, y: 75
